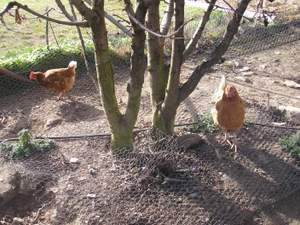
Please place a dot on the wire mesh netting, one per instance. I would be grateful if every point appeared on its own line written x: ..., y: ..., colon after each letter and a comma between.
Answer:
x: 160, y: 182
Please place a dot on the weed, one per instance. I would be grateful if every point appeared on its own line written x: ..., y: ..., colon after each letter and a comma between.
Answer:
x: 25, y: 146
x: 204, y: 124
x: 291, y: 144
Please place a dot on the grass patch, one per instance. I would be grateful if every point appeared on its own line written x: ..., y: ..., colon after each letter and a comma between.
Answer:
x: 25, y: 146
x: 32, y: 31
x: 291, y: 144
x: 204, y: 124
x: 41, y: 59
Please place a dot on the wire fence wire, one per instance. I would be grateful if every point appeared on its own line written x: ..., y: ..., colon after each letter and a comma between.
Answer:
x: 159, y: 182
x: 162, y: 183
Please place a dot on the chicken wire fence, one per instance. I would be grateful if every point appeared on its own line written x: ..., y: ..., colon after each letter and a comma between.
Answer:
x: 160, y: 182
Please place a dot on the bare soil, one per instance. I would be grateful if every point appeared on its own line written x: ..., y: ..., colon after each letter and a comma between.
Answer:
x: 158, y: 183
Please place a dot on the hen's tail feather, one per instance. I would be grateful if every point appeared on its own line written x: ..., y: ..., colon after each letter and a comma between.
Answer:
x: 222, y: 83
x: 219, y: 92
x: 72, y: 64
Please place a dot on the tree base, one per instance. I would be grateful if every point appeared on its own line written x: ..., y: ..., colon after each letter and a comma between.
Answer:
x: 121, y: 143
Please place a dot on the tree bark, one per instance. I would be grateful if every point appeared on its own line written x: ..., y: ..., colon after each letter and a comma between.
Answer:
x: 158, y: 72
x: 167, y: 18
x: 121, y: 125
x: 165, y: 114
x: 138, y: 66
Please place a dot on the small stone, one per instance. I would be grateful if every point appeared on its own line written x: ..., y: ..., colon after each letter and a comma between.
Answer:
x: 188, y: 141
x: 74, y: 160
x: 244, y: 69
x: 82, y: 178
x: 262, y: 67
x: 291, y: 84
x: 17, y: 221
x: 92, y: 171
x: 51, y: 122
x: 247, y: 74
x: 277, y: 52
x: 70, y: 187
x: 231, y: 63
x: 278, y: 124
x: 194, y: 195
x: 276, y: 82
x: 244, y: 79
x: 91, y: 195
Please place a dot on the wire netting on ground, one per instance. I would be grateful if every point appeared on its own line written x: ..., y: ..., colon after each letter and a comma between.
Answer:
x: 159, y: 182
x: 162, y: 183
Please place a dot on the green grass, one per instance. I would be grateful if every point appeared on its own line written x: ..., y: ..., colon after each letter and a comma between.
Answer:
x: 26, y: 50
x: 204, y: 124
x: 40, y: 58
x: 25, y: 146
x: 32, y: 31
x: 291, y: 144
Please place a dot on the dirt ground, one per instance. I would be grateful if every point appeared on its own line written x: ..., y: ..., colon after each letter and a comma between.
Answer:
x: 158, y: 183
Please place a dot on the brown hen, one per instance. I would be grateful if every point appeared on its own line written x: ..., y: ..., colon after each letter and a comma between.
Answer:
x: 60, y: 80
x: 229, y: 111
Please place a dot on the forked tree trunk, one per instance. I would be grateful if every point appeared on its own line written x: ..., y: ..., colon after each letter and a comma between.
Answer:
x: 165, y: 113
x: 121, y: 125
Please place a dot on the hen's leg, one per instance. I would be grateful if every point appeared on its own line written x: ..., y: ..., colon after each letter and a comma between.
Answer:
x: 226, y: 138
x: 235, y: 142
x: 60, y: 96
x: 232, y: 143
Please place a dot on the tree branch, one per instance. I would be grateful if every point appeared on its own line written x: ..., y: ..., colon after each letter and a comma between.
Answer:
x: 167, y: 19
x: 116, y: 23
x: 155, y: 33
x: 88, y: 14
x: 85, y: 11
x: 12, y: 4
x: 232, y: 28
x: 198, y: 33
x: 83, y: 47
x: 63, y: 10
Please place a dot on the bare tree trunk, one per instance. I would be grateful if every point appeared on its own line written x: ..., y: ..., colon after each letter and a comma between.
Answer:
x: 158, y: 72
x: 121, y: 125
x: 120, y: 135
x: 167, y: 18
x: 138, y: 65
x: 165, y: 117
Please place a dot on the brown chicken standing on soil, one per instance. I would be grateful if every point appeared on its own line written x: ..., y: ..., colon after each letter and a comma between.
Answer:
x: 229, y: 111
x: 60, y: 80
